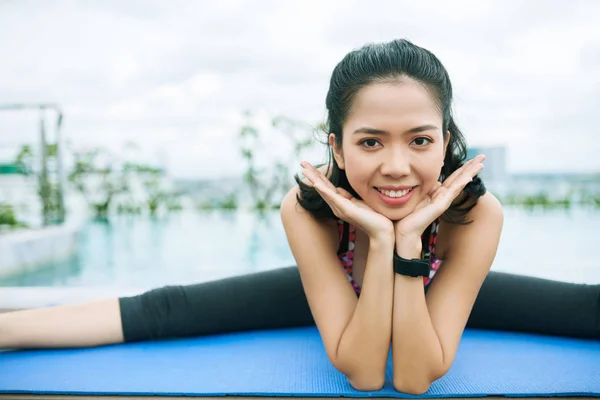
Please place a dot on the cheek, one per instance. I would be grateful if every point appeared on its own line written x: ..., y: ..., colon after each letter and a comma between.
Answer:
x: 430, y: 172
x: 359, y: 173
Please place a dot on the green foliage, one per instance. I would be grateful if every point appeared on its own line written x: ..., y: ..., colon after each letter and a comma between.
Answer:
x: 96, y: 177
x: 229, y: 203
x: 24, y: 158
x: 8, y: 219
x: 174, y: 205
x: 141, y: 168
x: 266, y: 183
x: 544, y: 201
x: 129, y: 208
x: 155, y: 196
x: 49, y: 192
x: 51, y: 150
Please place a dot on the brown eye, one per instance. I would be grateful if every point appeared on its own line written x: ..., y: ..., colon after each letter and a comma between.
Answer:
x: 422, y: 141
x: 369, y: 143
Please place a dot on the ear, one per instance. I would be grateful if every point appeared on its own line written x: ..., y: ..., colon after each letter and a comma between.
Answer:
x: 337, y: 151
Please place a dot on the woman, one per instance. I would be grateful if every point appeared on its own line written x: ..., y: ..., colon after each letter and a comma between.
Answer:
x: 393, y: 238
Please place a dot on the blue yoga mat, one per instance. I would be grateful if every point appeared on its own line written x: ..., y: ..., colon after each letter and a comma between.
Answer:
x: 293, y: 362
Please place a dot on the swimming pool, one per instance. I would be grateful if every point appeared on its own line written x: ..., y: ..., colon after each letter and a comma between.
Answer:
x: 189, y: 247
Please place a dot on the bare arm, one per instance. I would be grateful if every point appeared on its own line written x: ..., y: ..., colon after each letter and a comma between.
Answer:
x: 365, y: 342
x: 427, y: 330
x: 356, y: 333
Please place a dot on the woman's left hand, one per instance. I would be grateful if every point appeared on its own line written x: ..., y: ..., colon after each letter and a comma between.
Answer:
x: 438, y: 201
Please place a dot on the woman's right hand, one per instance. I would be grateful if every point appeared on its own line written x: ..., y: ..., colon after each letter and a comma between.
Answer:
x: 348, y: 208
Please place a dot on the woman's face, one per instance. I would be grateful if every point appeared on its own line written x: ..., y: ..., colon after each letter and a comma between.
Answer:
x: 393, y: 146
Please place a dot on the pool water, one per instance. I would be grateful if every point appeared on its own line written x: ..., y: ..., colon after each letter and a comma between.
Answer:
x: 190, y: 247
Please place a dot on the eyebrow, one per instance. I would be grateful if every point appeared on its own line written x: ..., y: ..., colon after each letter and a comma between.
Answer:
x: 373, y: 131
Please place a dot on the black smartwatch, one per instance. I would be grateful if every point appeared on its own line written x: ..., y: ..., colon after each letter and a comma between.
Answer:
x: 414, y: 267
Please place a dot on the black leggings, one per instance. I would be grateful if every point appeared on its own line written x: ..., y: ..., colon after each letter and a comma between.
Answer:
x: 275, y: 299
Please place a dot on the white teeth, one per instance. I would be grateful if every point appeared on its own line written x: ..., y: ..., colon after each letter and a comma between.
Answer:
x: 395, y: 193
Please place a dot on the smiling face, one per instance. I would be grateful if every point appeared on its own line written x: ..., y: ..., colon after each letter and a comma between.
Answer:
x: 393, y: 146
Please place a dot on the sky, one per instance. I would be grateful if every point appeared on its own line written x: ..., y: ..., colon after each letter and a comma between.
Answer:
x: 175, y: 77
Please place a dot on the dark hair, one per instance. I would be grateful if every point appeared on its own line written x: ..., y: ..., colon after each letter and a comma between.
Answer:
x: 388, y: 62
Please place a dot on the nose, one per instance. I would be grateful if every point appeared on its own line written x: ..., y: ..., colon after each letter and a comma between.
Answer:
x: 396, y: 163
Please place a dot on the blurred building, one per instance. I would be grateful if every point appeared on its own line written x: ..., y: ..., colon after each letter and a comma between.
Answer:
x: 555, y: 185
x: 495, y: 174
x: 495, y: 162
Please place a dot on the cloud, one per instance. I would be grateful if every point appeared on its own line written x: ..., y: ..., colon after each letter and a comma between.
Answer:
x: 176, y: 76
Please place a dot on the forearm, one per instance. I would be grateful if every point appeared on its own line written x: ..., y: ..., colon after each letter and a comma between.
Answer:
x: 417, y: 352
x: 365, y: 343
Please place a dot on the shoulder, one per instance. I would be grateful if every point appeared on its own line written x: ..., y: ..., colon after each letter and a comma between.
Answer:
x: 291, y: 209
x: 300, y: 225
x: 488, y: 208
x: 486, y: 221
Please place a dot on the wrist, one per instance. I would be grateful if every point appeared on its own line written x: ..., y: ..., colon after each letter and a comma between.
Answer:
x: 408, y: 247
x: 383, y: 236
x: 383, y: 241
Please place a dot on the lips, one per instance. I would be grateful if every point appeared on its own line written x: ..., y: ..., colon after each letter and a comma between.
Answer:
x: 395, y: 197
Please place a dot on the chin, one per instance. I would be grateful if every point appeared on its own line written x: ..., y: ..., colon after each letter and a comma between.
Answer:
x: 396, y: 215
x: 393, y: 213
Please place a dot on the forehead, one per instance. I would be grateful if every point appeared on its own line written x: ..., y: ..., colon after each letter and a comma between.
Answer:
x: 397, y: 104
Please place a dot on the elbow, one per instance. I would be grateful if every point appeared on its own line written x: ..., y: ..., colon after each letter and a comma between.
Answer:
x: 411, y: 386
x: 363, y: 379
x: 416, y: 385
x: 410, y: 382
x: 365, y: 375
x: 367, y: 384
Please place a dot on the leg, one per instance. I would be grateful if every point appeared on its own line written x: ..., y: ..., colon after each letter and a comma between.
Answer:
x: 527, y: 304
x: 265, y: 300
x: 77, y: 325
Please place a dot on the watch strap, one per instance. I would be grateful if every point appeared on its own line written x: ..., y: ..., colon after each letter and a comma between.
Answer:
x: 414, y: 267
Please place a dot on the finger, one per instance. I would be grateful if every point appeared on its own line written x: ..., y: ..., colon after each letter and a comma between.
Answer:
x: 323, y: 191
x: 341, y: 205
x: 332, y: 197
x: 476, y: 166
x: 468, y: 174
x: 467, y: 171
x: 323, y: 178
x: 314, y: 175
x: 456, y: 174
x: 326, y: 196
x: 424, y: 203
x: 446, y: 194
x: 426, y: 214
x: 435, y: 187
x: 450, y: 179
x: 443, y: 197
x: 344, y: 193
x: 308, y: 172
